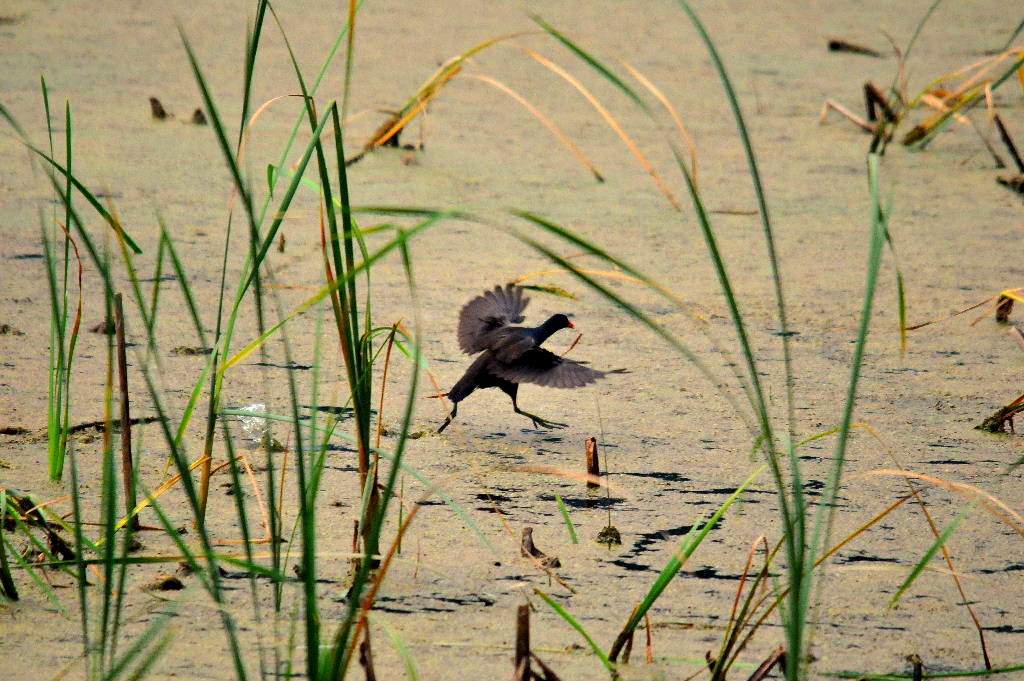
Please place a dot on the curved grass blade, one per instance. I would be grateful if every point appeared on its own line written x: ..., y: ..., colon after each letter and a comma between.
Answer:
x: 591, y: 61
x: 567, y: 519
x: 548, y: 123
x: 689, y: 544
x: 583, y: 632
x: 930, y: 553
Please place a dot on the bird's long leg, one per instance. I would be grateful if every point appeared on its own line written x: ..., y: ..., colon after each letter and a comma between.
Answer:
x: 451, y: 416
x: 538, y: 422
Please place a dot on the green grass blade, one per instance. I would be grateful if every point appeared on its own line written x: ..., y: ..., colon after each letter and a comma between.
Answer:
x: 591, y: 61
x: 568, y: 521
x: 687, y: 547
x: 574, y: 623
x: 139, y: 646
x: 90, y: 197
x: 1013, y: 36
x: 766, y: 227
x: 920, y: 27
x: 7, y: 588
x: 929, y: 554
x: 399, y: 645
x: 826, y: 511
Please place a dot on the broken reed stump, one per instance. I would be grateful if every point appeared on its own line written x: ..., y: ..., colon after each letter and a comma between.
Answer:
x: 127, y: 467
x: 593, y: 463
x: 157, y: 109
x: 522, y: 660
x: 1003, y: 309
x: 529, y: 550
x: 918, y: 666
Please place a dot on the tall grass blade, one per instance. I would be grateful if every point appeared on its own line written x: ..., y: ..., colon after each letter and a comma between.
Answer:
x: 575, y: 624
x: 930, y: 553
x: 826, y: 512
x: 567, y: 519
x: 591, y: 61
x: 693, y: 539
x: 7, y: 588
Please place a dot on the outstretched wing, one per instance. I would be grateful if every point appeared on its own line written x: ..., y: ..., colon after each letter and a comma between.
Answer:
x: 487, y: 312
x: 545, y: 368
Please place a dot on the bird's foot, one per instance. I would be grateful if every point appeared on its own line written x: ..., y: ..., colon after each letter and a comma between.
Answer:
x: 539, y: 422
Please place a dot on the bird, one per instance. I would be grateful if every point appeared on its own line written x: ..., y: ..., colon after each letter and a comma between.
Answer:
x: 510, y: 355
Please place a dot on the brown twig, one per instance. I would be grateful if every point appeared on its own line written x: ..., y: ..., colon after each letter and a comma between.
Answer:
x: 776, y: 658
x: 650, y: 641
x: 835, y: 106
x: 127, y: 469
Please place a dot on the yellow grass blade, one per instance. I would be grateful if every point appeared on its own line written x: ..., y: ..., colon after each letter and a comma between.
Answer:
x: 543, y: 119
x: 683, y: 132
x: 610, y: 120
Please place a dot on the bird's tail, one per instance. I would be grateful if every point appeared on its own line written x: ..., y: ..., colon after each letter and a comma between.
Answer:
x: 462, y: 389
x: 468, y: 383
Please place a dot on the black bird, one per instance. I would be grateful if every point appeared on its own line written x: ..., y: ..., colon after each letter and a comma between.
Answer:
x: 511, y: 355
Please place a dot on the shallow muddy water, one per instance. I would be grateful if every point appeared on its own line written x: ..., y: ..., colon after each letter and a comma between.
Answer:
x: 674, y: 448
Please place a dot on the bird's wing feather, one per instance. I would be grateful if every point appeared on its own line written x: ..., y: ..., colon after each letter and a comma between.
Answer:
x: 547, y: 369
x: 485, y: 313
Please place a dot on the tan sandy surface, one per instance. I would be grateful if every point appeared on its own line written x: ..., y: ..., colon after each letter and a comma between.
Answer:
x: 674, y: 447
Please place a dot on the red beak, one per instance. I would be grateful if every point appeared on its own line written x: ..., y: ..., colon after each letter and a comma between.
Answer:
x: 571, y: 325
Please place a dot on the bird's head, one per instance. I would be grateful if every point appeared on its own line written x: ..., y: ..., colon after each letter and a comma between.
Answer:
x: 560, y: 321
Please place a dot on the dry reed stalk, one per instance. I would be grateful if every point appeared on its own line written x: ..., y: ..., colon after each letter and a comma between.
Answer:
x: 127, y: 467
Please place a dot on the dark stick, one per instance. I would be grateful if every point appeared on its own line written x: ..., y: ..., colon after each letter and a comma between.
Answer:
x: 127, y: 469
x: 918, y: 666
x: 1008, y: 141
x: 522, y: 672
x: 593, y: 462
x: 366, y: 656
x: 877, y: 100
x: 869, y: 102
x: 840, y: 45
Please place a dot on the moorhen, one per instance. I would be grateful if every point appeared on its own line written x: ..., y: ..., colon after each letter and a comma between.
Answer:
x: 511, y: 355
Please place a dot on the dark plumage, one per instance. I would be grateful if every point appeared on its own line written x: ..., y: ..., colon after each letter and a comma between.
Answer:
x: 511, y: 355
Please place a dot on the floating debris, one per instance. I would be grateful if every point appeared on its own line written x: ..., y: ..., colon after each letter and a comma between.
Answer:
x: 840, y: 45
x: 609, y: 536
